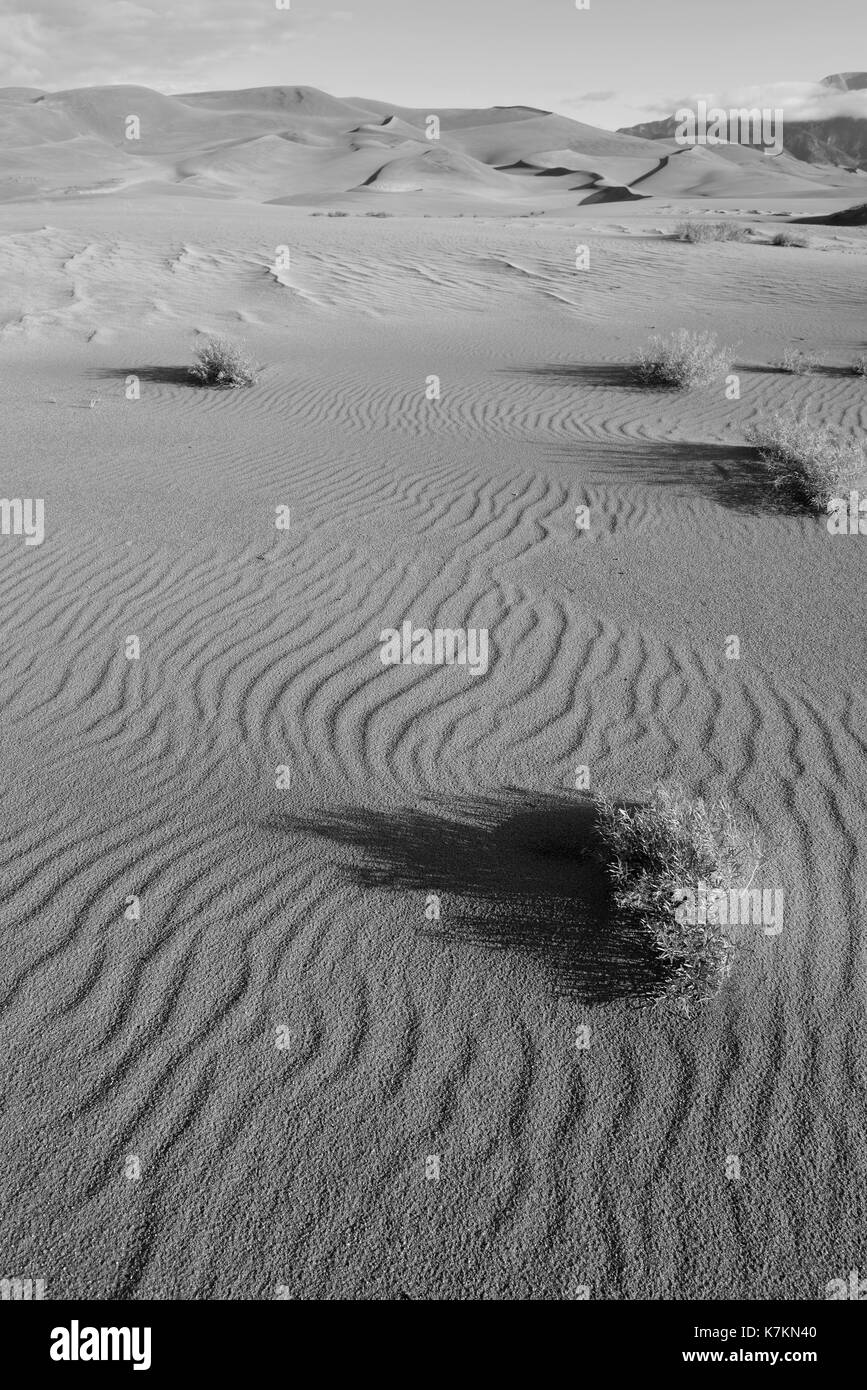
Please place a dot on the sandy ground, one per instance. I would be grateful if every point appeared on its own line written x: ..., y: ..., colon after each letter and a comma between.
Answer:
x: 303, y: 1167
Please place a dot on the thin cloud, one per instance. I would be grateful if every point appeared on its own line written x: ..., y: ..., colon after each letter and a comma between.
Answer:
x: 596, y: 96
x: 799, y: 101
x: 60, y: 43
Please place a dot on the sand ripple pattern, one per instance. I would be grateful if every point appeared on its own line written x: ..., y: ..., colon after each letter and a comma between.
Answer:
x: 299, y: 915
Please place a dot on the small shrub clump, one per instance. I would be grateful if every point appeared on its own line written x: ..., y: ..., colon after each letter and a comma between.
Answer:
x: 694, y: 232
x: 798, y: 363
x: 220, y: 362
x: 682, y: 359
x: 859, y: 368
x: 653, y: 854
x: 787, y: 238
x: 807, y: 462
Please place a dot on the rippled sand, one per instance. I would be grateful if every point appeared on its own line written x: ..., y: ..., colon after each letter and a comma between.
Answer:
x: 298, y: 916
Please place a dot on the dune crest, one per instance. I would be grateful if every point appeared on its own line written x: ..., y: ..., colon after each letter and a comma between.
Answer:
x: 107, y: 141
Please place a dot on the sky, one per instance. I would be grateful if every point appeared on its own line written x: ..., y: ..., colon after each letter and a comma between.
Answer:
x: 615, y: 63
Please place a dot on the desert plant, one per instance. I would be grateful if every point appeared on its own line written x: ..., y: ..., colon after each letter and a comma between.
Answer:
x: 859, y: 368
x: 711, y: 231
x: 683, y: 359
x: 787, y: 238
x: 220, y: 362
x: 656, y: 853
x: 807, y: 462
x: 798, y: 363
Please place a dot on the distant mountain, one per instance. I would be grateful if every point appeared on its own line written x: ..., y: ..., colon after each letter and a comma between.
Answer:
x: 846, y: 81
x: 841, y: 141
x: 836, y: 140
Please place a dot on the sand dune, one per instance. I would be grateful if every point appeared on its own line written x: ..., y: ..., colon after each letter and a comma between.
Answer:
x: 61, y: 145
x: 413, y: 173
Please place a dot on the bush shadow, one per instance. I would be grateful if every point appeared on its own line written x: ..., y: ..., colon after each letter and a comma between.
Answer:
x: 166, y: 376
x: 731, y: 475
x: 515, y: 873
x: 616, y: 374
x: 776, y: 369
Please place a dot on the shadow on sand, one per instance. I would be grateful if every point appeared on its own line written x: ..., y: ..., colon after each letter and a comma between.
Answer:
x: 816, y: 369
x: 167, y: 376
x: 619, y: 374
x: 516, y: 873
x: 730, y: 474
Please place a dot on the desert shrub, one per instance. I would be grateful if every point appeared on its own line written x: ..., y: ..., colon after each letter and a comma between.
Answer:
x: 797, y: 362
x: 682, y: 359
x: 653, y: 855
x: 785, y: 237
x: 807, y: 462
x: 379, y: 214
x: 711, y: 231
x: 220, y: 362
x: 859, y: 368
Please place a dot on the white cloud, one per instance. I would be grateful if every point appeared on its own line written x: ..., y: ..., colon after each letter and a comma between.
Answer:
x: 170, y: 46
x: 799, y: 101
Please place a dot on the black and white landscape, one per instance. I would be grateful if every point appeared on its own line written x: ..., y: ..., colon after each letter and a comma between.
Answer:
x: 378, y: 704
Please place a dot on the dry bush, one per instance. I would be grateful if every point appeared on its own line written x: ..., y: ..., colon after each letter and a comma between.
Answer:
x: 683, y: 359
x: 797, y: 362
x: 695, y: 232
x: 220, y: 362
x: 807, y: 462
x: 652, y: 854
x: 787, y: 238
